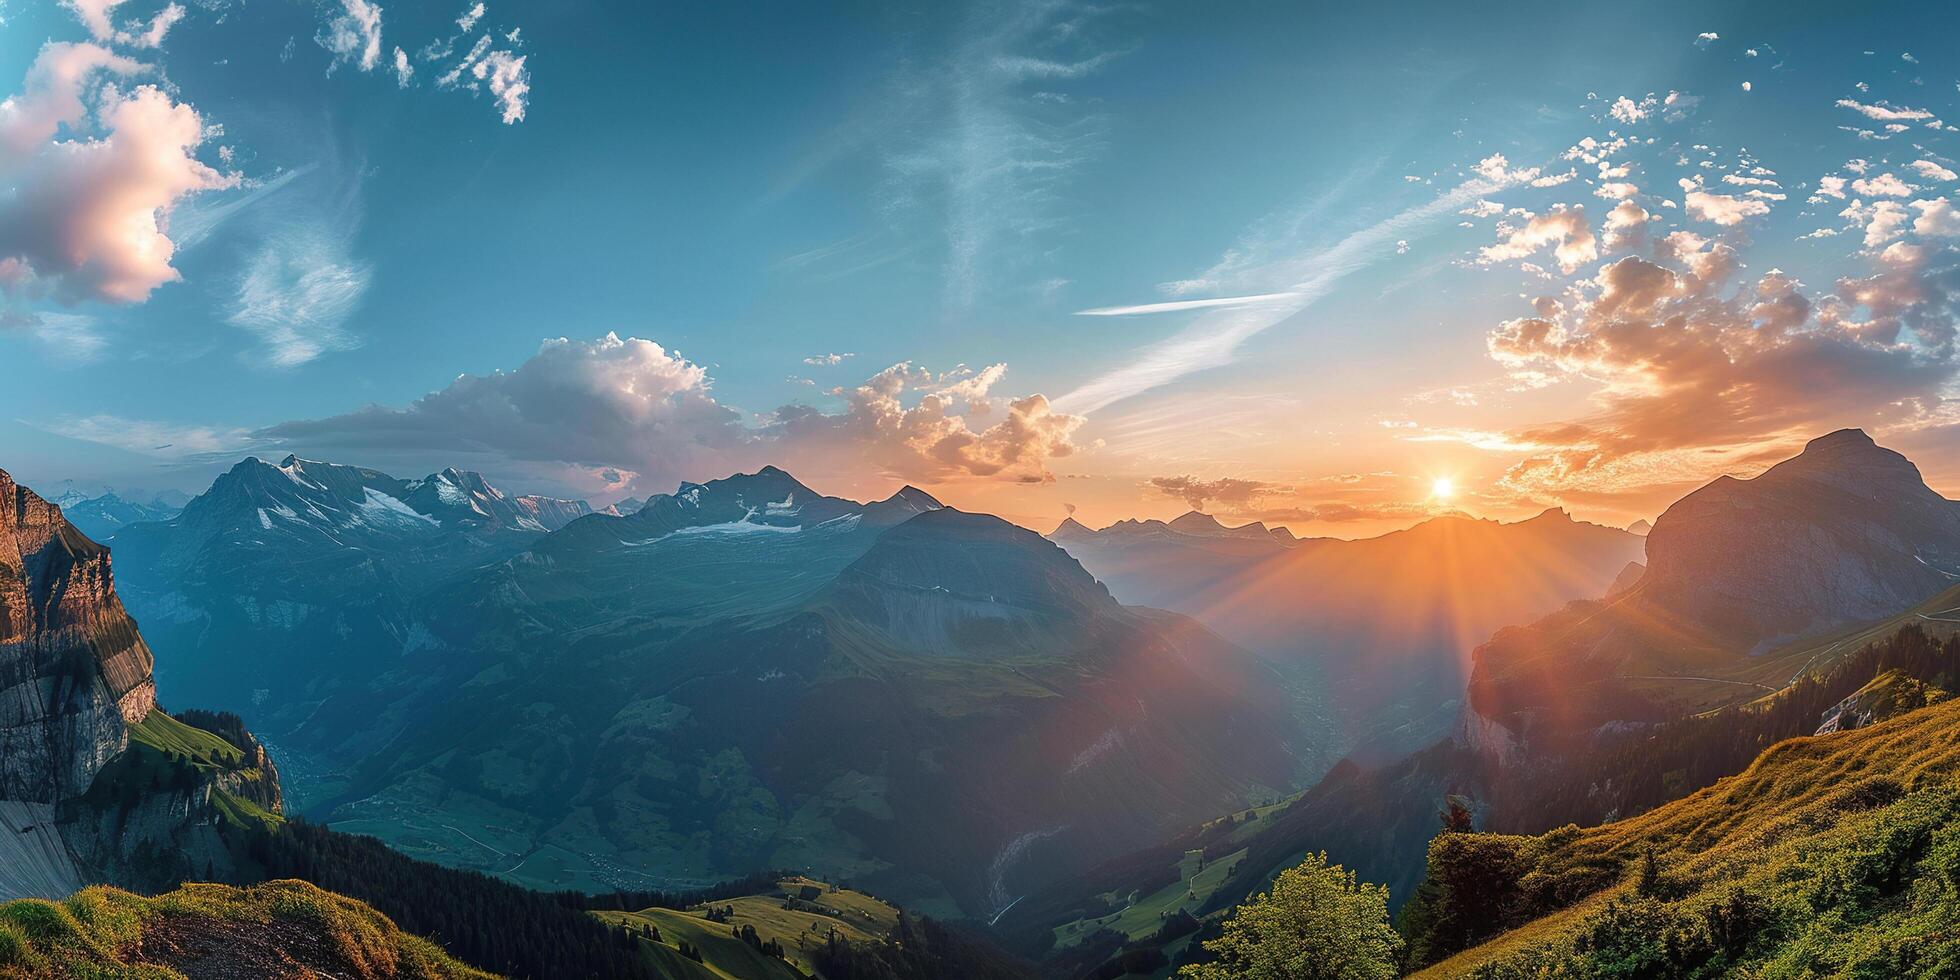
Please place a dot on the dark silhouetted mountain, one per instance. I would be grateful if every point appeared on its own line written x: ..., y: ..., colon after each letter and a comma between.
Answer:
x: 1205, y: 525
x: 1845, y: 532
x: 1626, y: 580
x: 1382, y: 626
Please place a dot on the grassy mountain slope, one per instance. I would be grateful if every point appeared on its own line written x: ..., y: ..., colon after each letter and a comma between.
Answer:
x: 1379, y: 820
x: 1831, y: 855
x: 800, y: 926
x: 281, y: 928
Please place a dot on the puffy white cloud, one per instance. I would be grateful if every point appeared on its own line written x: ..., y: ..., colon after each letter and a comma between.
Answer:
x: 925, y: 440
x: 467, y: 22
x: 1691, y: 372
x: 1936, y: 218
x: 80, y: 217
x: 404, y: 70
x: 632, y: 405
x: 352, y: 36
x: 509, y: 82
x: 1626, y: 226
x: 1678, y: 105
x: 1883, y: 185
x: 1721, y: 209
x: 610, y: 402
x: 827, y: 360
x: 1883, y: 221
x: 1231, y: 492
x: 502, y: 72
x: 1929, y: 170
x: 1565, y: 229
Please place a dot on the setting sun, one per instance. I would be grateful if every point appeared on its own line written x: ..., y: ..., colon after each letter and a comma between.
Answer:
x: 1443, y: 488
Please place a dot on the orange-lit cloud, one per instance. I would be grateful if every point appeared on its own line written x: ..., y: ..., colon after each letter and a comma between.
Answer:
x: 632, y: 406
x: 1693, y: 375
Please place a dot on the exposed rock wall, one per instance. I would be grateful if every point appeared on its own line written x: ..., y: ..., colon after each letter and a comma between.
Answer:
x: 34, y: 861
x: 74, y: 674
x: 76, y: 803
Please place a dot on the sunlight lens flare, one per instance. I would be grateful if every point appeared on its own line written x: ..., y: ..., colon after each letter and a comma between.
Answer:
x: 1443, y: 488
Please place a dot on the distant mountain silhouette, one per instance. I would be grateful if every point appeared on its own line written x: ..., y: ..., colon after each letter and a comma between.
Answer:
x: 1844, y: 532
x: 1380, y: 628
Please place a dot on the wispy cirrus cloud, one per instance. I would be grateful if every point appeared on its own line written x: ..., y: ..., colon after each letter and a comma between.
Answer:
x: 68, y: 338
x: 99, y: 17
x: 991, y: 135
x: 167, y: 440
x: 1178, y: 306
x: 298, y: 280
x: 1306, y: 274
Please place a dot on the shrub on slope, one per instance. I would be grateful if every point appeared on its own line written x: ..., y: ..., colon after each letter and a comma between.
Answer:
x: 1833, y: 855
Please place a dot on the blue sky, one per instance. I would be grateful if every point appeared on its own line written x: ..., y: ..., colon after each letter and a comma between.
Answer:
x: 939, y: 185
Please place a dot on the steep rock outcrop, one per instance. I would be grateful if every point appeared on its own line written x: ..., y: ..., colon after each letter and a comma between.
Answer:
x: 96, y: 783
x: 74, y: 673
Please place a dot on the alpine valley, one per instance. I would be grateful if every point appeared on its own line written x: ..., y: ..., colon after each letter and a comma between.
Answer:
x: 979, y: 490
x: 749, y: 688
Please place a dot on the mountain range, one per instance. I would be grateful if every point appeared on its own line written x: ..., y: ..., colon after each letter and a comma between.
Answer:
x: 101, y: 516
x: 749, y: 678
x: 739, y: 675
x: 1783, y: 605
x: 312, y: 566
x: 1380, y: 627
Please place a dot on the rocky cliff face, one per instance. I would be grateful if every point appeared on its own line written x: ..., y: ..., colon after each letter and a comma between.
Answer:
x: 86, y: 794
x: 74, y: 674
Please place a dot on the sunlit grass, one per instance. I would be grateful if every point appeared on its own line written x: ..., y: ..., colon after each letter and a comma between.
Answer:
x: 104, y: 932
x: 1849, y: 842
